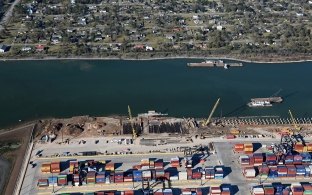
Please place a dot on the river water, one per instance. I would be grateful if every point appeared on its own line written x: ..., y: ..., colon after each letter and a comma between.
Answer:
x: 36, y: 89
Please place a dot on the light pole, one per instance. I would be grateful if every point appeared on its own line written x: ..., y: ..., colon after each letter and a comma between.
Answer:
x: 53, y: 192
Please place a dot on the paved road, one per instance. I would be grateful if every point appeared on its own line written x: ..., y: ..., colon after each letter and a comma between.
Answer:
x: 8, y: 14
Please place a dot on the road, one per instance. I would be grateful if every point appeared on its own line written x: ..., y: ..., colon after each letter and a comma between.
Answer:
x: 8, y: 15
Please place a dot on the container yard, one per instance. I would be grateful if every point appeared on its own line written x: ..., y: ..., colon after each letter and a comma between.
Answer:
x: 156, y: 154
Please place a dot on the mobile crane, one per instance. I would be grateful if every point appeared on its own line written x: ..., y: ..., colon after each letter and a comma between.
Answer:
x: 211, y: 113
x: 134, y: 135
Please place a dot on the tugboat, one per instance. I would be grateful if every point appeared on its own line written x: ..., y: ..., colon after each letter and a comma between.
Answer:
x: 226, y: 66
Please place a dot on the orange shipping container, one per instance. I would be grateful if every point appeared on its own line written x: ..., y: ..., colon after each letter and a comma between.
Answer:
x: 299, y: 147
x: 239, y: 147
x: 46, y: 168
x: 248, y: 145
x: 309, y: 147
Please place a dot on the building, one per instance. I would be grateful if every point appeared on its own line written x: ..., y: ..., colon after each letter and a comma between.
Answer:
x: 4, y: 48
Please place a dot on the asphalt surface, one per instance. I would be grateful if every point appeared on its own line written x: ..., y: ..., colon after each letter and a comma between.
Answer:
x: 224, y: 156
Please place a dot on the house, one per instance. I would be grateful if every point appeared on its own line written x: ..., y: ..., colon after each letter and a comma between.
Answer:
x: 170, y: 36
x: 39, y: 48
x: 4, y: 48
x: 139, y: 47
x: 149, y: 48
x: 98, y: 37
x: 26, y: 48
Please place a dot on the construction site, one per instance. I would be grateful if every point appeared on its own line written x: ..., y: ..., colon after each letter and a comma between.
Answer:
x: 153, y: 153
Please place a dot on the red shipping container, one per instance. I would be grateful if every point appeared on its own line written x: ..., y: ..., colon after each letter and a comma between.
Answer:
x: 268, y: 191
x: 263, y: 169
x: 129, y: 192
x: 251, y: 160
x: 158, y: 192
x: 196, y: 175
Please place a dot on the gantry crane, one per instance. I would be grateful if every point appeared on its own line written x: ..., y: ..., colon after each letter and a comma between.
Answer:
x: 134, y: 135
x: 298, y: 128
x: 211, y: 113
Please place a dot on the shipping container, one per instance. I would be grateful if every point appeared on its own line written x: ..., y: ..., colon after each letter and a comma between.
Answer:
x: 175, y: 162
x: 52, y: 181
x: 110, y: 166
x: 160, y: 173
x: 46, y: 168
x: 137, y: 175
x: 182, y: 175
x: 159, y: 164
x: 61, y: 180
x: 239, y: 148
x: 249, y: 172
x: 55, y: 167
x: 167, y: 191
x: 215, y: 190
x: 43, y: 183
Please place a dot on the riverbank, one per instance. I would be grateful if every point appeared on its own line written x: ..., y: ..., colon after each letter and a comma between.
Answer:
x: 15, y: 157
x: 257, y: 60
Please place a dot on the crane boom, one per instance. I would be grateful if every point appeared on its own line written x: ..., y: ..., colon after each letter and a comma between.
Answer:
x: 293, y: 121
x: 211, y: 113
x: 134, y: 135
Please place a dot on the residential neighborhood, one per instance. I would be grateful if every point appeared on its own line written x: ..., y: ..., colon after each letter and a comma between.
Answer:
x: 158, y: 28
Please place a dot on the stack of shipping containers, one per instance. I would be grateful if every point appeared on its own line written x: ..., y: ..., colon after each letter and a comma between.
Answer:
x: 91, y: 177
x: 55, y: 167
x: 61, y: 180
x: 46, y: 168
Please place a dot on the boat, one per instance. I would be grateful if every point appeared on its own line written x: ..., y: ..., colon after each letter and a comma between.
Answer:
x: 214, y: 63
x: 152, y: 113
x: 259, y: 104
x: 207, y: 63
x: 264, y: 102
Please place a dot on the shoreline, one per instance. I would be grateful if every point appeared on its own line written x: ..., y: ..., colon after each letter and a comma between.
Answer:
x: 156, y: 58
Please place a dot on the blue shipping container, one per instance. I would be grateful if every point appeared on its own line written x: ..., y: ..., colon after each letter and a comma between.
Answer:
x: 52, y: 180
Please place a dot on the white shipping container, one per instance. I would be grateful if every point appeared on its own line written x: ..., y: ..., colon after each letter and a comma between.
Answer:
x: 243, y: 156
x: 174, y: 178
x: 308, y: 170
x: 250, y: 172
x: 258, y: 191
x: 215, y: 191
x: 183, y: 175
x: 295, y: 185
x: 209, y: 176
x: 310, y: 166
x: 145, y: 167
x: 146, y: 174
